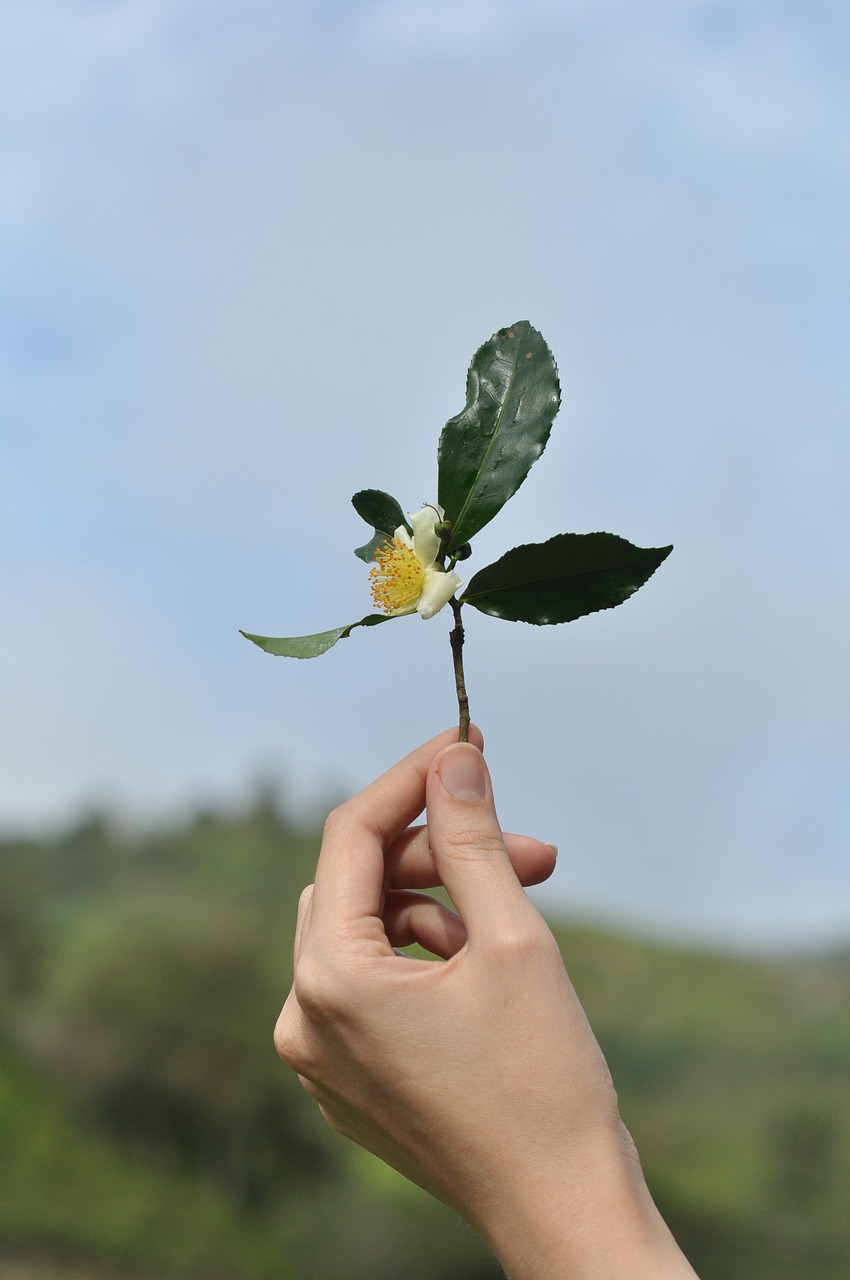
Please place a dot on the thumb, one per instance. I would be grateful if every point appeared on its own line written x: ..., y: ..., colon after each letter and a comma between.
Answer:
x: 466, y: 841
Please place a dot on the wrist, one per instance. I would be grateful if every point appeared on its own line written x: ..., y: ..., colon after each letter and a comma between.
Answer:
x: 588, y: 1219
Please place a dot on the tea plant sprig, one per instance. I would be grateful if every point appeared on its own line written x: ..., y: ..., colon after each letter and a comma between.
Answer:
x: 484, y: 455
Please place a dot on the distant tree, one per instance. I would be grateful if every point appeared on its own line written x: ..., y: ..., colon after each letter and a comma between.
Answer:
x: 160, y: 1026
x: 24, y: 880
x: 804, y: 1146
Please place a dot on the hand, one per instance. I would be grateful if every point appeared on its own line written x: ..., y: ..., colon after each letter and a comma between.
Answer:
x: 479, y: 1077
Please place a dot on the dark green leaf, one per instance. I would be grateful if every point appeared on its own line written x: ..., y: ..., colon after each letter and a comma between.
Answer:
x: 556, y: 581
x: 486, y: 451
x: 383, y: 513
x: 311, y: 646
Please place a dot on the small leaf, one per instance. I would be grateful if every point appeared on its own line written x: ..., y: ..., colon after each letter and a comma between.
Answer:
x: 565, y: 578
x: 487, y: 450
x: 311, y: 646
x: 369, y: 551
x: 384, y: 514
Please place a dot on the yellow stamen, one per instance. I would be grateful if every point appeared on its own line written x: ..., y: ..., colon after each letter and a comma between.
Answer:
x: 396, y: 580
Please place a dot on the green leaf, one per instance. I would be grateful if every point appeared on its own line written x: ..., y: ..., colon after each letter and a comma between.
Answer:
x: 486, y: 451
x: 384, y: 514
x: 565, y: 578
x: 311, y: 646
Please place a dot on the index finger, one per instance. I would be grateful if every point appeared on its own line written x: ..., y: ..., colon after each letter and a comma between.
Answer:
x: 349, y: 884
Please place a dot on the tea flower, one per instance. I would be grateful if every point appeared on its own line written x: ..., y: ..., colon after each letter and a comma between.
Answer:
x: 407, y: 578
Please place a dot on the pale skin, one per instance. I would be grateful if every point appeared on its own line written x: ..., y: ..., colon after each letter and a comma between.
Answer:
x: 476, y: 1075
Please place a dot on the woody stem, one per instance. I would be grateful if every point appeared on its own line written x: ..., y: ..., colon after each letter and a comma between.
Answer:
x: 456, y: 641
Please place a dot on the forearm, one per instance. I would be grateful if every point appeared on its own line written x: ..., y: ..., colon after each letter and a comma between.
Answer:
x: 591, y: 1220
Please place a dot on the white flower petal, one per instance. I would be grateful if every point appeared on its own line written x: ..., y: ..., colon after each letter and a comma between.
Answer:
x: 437, y: 589
x: 402, y: 535
x: 426, y: 543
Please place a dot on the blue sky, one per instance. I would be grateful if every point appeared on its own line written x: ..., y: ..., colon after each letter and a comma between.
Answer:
x: 247, y: 252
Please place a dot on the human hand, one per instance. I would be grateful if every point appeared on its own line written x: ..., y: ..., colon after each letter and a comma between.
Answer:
x: 479, y: 1077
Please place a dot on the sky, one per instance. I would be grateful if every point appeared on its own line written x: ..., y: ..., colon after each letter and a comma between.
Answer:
x: 247, y: 249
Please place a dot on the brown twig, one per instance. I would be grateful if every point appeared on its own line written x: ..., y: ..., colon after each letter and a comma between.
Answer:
x: 456, y: 641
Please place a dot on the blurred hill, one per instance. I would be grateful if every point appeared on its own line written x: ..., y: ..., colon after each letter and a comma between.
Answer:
x: 148, y: 1130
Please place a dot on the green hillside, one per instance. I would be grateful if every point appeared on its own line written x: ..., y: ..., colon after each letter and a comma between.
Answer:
x: 148, y: 1130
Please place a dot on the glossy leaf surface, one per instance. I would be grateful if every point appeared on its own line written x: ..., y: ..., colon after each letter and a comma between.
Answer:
x: 486, y: 451
x: 383, y: 513
x: 311, y: 646
x: 571, y: 575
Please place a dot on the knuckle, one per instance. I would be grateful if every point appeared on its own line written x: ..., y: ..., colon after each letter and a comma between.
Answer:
x: 470, y: 843
x: 524, y: 942
x: 315, y: 989
x: 336, y: 819
x: 289, y: 1039
x: 310, y: 1086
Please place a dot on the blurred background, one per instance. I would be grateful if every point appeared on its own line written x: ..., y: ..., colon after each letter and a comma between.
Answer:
x: 246, y: 252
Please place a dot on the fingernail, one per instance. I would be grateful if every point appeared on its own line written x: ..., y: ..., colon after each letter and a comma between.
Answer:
x: 554, y: 849
x: 461, y: 770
